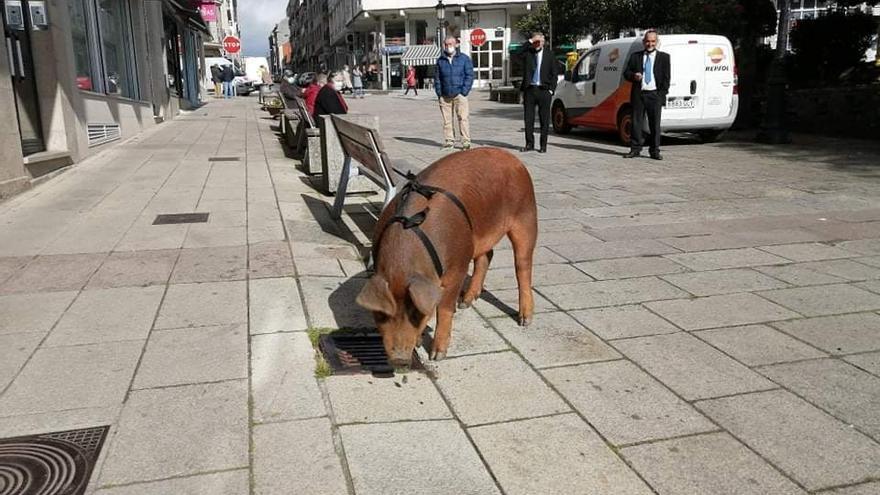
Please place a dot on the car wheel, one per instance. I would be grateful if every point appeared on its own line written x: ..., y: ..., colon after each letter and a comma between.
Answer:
x: 560, y: 122
x: 624, y: 125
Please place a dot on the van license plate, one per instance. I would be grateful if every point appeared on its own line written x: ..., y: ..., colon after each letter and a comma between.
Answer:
x: 681, y: 102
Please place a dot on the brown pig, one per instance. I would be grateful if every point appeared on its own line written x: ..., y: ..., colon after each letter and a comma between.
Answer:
x: 423, y: 245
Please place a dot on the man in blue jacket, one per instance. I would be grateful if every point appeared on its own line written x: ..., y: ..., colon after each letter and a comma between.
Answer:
x: 452, y: 83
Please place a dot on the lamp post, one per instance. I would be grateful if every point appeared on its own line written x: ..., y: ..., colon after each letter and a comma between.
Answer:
x: 441, y: 22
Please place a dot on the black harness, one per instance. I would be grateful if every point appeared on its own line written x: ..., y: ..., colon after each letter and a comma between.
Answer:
x: 413, y: 222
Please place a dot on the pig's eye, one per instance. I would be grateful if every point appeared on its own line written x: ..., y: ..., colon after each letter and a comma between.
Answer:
x: 415, y: 317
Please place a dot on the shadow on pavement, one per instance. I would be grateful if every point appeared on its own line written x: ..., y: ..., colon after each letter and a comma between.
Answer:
x: 497, y: 144
x: 346, y: 312
x: 422, y: 141
x: 591, y: 149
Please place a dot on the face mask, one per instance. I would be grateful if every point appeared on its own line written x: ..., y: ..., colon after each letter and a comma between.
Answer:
x: 450, y: 50
x: 291, y: 80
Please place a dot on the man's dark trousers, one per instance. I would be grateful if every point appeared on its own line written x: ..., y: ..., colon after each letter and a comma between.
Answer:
x: 646, y: 103
x: 535, y: 95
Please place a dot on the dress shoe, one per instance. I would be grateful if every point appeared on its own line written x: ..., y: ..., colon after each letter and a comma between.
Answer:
x: 526, y: 148
x: 543, y: 149
x: 632, y: 154
x: 656, y: 156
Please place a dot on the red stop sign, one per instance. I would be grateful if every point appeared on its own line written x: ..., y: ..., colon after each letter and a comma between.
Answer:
x: 478, y: 37
x: 231, y: 44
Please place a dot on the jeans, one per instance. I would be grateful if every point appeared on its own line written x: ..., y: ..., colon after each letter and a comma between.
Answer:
x: 228, y: 89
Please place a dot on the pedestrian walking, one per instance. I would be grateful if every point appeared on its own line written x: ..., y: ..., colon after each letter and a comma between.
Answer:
x: 346, y: 80
x: 215, y: 78
x: 357, y: 79
x: 538, y: 86
x: 227, y: 75
x: 453, y: 80
x: 411, y: 81
x: 330, y: 101
x: 649, y: 72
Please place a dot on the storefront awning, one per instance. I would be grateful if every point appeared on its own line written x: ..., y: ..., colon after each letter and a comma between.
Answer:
x: 420, y: 55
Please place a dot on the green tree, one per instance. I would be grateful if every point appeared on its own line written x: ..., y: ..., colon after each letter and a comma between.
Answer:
x: 824, y: 47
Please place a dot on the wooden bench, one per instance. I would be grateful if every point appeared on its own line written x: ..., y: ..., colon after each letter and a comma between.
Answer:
x: 308, y: 140
x: 362, y: 147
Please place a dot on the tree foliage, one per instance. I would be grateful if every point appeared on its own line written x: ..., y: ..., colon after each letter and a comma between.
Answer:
x: 824, y: 47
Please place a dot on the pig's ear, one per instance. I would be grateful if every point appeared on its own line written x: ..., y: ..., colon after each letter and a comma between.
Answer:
x: 424, y: 294
x: 376, y: 296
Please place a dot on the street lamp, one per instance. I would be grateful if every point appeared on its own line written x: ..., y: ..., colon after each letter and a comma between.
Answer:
x: 441, y: 22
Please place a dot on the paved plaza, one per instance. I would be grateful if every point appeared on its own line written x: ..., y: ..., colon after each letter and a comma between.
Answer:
x: 709, y: 324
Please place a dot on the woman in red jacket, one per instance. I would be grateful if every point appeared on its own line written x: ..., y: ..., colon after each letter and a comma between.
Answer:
x: 411, y: 80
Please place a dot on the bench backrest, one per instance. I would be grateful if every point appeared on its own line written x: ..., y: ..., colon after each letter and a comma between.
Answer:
x: 304, y: 114
x: 364, y: 145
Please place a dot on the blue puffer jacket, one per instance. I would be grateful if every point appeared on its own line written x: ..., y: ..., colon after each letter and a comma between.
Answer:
x: 456, y: 78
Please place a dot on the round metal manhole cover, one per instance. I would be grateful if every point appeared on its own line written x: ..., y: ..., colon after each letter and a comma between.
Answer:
x: 49, y: 464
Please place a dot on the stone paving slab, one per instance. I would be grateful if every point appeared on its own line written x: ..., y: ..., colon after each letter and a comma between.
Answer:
x: 542, y: 275
x: 843, y: 334
x: 37, y: 313
x: 625, y: 404
x: 869, y: 362
x: 612, y: 249
x: 807, y: 252
x: 233, y: 482
x: 720, y: 311
x: 193, y: 355
x: 275, y: 306
x: 727, y: 258
x: 619, y: 322
x: 72, y: 377
x: 555, y: 339
x: 179, y: 431
x: 495, y: 387
x: 471, y: 334
x: 740, y: 239
x: 296, y: 457
x: 557, y: 454
x: 837, y: 387
x: 214, y: 264
x: 862, y: 489
x: 366, y: 399
x: 138, y: 268
x: 863, y: 246
x: 719, y: 282
x: 845, y: 269
x: 629, y: 267
x: 205, y: 304
x: 328, y: 302
x: 63, y: 272
x: 15, y: 350
x: 690, y: 367
x: 610, y: 293
x: 498, y: 303
x: 713, y: 463
x: 756, y: 345
x: 815, y: 449
x: 283, y: 384
x: 426, y: 457
x: 798, y: 275
x: 824, y: 300
x: 269, y: 259
x: 108, y: 315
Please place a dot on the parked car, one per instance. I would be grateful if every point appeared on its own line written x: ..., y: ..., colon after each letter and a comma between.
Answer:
x: 702, y: 93
x: 243, y: 85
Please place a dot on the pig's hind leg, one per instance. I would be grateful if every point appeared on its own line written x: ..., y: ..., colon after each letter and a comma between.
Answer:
x: 523, y: 236
x: 478, y: 279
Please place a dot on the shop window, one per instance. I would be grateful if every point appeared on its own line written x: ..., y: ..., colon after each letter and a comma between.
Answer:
x: 81, y: 45
x: 101, y: 35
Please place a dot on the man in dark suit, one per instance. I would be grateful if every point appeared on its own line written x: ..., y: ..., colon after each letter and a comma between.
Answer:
x: 538, y: 85
x: 649, y: 71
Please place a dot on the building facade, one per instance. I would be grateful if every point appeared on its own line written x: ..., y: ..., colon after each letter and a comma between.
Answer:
x: 77, y: 75
x: 310, y: 34
x: 279, y: 47
x: 221, y: 17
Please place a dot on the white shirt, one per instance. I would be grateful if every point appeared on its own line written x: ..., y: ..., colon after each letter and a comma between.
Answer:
x: 652, y: 86
x: 538, y: 58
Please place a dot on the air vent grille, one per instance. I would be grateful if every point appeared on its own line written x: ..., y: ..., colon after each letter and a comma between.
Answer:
x: 103, y: 133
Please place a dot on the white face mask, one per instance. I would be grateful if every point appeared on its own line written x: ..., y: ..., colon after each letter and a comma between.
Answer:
x: 450, y: 50
x: 291, y: 80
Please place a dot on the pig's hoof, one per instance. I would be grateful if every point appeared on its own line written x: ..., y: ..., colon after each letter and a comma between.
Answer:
x: 438, y: 356
x: 524, y: 321
x: 463, y: 304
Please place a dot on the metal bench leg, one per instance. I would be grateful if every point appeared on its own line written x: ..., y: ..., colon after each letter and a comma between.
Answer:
x: 341, y: 189
x: 389, y: 195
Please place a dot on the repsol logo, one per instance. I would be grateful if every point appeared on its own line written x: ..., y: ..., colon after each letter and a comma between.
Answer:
x: 610, y: 68
x: 714, y: 68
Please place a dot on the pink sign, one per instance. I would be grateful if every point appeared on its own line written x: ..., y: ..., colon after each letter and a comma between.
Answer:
x: 208, y: 11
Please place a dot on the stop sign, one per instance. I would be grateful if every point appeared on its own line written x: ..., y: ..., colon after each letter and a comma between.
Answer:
x: 231, y: 44
x: 478, y: 37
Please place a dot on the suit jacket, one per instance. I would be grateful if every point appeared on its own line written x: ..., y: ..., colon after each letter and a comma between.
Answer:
x: 661, y: 73
x: 549, y: 68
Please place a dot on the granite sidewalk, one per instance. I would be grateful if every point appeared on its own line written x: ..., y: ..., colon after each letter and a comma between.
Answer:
x: 707, y: 324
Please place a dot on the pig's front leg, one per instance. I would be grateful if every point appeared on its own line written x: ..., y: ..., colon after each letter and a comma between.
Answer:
x: 445, y: 312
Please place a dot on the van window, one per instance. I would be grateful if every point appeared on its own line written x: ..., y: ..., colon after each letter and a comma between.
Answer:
x: 586, y: 68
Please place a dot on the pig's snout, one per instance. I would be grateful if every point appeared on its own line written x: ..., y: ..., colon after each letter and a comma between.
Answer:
x: 400, y: 358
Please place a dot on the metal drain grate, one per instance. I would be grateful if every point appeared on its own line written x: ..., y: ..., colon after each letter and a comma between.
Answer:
x: 50, y: 463
x: 224, y: 159
x: 174, y: 218
x: 358, y: 351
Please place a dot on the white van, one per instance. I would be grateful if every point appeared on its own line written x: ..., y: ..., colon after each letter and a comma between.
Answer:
x: 702, y: 91
x: 252, y: 69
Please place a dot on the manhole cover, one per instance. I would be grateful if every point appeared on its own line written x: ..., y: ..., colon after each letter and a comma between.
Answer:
x: 172, y: 218
x: 50, y: 463
x: 224, y: 159
x: 358, y: 351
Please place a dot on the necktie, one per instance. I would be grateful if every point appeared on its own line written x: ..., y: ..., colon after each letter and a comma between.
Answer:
x: 648, y: 70
x: 536, y: 77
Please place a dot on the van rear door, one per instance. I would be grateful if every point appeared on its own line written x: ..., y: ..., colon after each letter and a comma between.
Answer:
x: 686, y: 88
x: 718, y: 66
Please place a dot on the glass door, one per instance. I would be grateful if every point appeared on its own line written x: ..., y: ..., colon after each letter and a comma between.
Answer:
x: 488, y: 60
x: 16, y: 29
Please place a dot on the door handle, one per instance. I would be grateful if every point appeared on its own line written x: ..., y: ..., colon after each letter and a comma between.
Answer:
x: 594, y: 87
x: 18, y: 54
x: 12, y: 66
x: 693, y: 87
